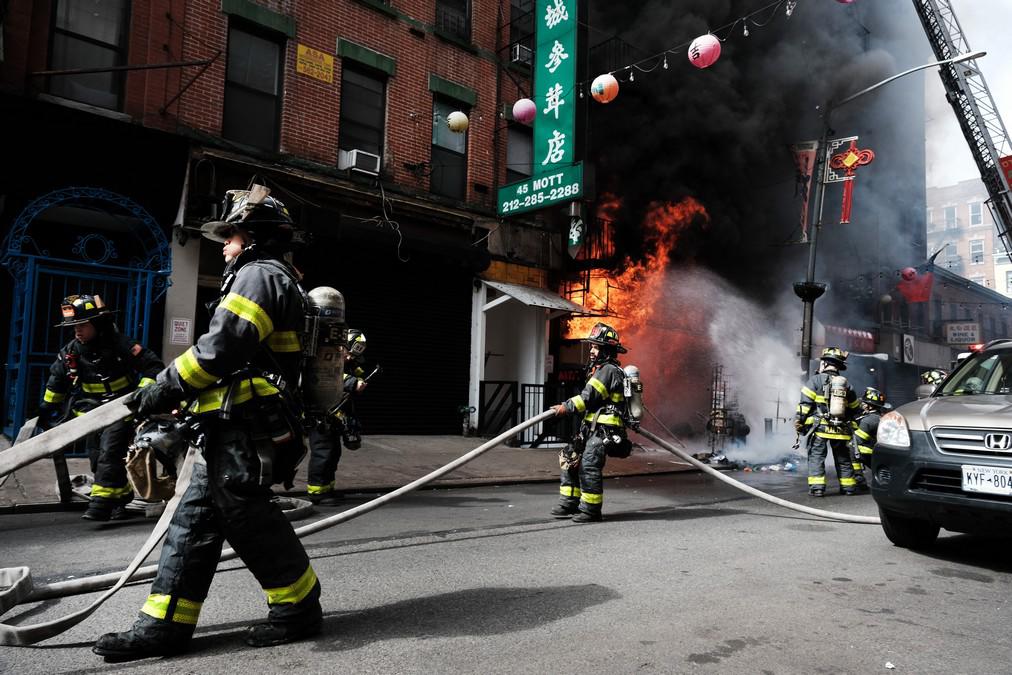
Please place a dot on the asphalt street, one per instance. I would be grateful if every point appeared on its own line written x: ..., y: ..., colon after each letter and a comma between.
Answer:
x: 685, y: 575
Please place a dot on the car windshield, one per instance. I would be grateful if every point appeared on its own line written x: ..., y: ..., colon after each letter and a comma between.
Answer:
x: 988, y: 373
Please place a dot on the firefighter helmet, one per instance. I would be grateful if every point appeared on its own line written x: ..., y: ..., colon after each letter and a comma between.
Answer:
x: 835, y: 356
x: 873, y: 397
x: 78, y: 309
x: 356, y: 342
x: 604, y: 335
x: 253, y: 211
x: 933, y: 377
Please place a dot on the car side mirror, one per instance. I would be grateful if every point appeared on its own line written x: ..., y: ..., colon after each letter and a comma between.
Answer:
x: 924, y: 390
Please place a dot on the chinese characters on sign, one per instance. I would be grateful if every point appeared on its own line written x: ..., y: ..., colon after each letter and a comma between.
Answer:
x: 557, y: 178
x: 962, y: 333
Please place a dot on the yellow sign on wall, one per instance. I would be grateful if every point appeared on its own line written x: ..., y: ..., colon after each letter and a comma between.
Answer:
x: 315, y: 63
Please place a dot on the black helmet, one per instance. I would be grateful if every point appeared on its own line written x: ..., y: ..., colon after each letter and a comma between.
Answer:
x: 604, y: 335
x: 933, y: 376
x: 873, y: 397
x: 264, y: 218
x: 834, y: 356
x: 78, y: 309
x: 356, y: 342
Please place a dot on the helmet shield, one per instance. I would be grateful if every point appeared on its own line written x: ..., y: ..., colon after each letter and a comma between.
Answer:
x: 873, y: 397
x: 834, y: 356
x: 604, y: 335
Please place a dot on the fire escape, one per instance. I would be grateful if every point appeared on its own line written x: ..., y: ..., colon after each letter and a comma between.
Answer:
x: 975, y: 109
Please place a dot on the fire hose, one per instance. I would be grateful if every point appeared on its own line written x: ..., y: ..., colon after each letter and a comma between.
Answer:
x: 683, y: 454
x: 16, y: 583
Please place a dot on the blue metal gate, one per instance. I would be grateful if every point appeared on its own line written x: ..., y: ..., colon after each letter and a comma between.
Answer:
x: 75, y: 240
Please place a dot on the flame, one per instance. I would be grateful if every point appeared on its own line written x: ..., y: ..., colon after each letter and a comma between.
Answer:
x: 628, y: 300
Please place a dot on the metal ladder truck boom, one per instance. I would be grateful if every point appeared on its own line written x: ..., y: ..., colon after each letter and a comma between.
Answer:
x: 975, y: 109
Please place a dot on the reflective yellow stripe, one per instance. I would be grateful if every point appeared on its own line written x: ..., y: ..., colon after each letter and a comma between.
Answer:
x: 613, y: 420
x: 320, y: 489
x: 591, y: 498
x: 569, y: 491
x: 191, y: 372
x: 244, y: 308
x: 599, y: 386
x: 862, y: 434
x: 865, y: 450
x: 211, y: 399
x: 853, y: 404
x: 53, y: 396
x: 294, y: 593
x: 818, y: 398
x: 809, y: 421
x: 578, y: 403
x: 848, y: 482
x: 110, y: 492
x: 858, y: 466
x: 832, y: 435
x: 816, y: 480
x: 187, y: 611
x: 284, y: 341
x: 101, y: 387
x: 618, y: 397
x: 145, y: 381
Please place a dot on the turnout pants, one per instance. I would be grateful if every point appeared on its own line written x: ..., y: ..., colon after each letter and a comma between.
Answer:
x: 324, y: 455
x: 817, y: 452
x: 109, y: 464
x: 584, y: 485
x: 225, y: 501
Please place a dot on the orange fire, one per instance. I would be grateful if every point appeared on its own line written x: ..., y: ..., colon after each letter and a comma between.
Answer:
x: 629, y: 299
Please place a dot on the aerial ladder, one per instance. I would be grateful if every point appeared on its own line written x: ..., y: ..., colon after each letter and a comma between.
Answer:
x: 975, y: 109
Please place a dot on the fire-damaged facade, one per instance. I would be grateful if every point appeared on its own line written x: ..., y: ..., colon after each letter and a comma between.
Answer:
x: 127, y: 122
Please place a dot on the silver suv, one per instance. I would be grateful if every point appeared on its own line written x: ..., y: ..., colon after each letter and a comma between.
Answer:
x: 946, y: 460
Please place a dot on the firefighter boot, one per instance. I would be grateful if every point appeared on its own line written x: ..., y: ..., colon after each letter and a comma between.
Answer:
x: 148, y: 637
x: 566, y: 508
x: 816, y: 491
x: 585, y: 515
x: 276, y: 633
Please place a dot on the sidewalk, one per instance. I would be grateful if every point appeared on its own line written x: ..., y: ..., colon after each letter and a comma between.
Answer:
x: 385, y: 463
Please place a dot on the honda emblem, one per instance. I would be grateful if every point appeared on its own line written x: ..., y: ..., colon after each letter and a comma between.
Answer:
x: 998, y: 441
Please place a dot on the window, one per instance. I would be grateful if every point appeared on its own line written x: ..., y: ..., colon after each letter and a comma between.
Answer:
x: 949, y: 217
x: 363, y: 109
x: 449, y: 153
x: 252, y: 88
x: 976, y: 213
x: 519, y: 153
x: 89, y: 34
x: 453, y: 17
x: 522, y: 31
x: 978, y: 279
x: 1008, y: 283
x: 976, y: 251
x: 928, y: 219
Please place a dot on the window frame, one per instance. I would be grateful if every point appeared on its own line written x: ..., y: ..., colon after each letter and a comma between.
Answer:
x: 513, y: 175
x: 453, y: 105
x: 443, y: 6
x: 121, y: 52
x: 954, y: 223
x: 977, y: 257
x: 350, y: 65
x: 281, y: 40
x: 979, y: 215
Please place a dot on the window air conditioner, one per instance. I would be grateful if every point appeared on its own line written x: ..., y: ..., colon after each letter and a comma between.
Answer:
x: 523, y: 54
x: 359, y: 160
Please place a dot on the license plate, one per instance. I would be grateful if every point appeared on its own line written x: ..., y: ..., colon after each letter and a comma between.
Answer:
x: 990, y: 479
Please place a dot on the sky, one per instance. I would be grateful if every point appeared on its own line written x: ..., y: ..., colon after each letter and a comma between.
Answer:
x: 985, y: 24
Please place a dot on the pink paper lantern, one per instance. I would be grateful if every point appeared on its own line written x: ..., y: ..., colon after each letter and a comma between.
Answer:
x: 908, y: 273
x: 604, y: 88
x: 704, y: 51
x: 524, y: 110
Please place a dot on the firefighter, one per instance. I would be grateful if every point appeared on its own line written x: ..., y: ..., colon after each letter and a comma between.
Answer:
x: 830, y: 427
x: 866, y: 429
x: 326, y: 430
x: 238, y: 381
x: 933, y: 377
x: 602, y: 403
x: 99, y: 364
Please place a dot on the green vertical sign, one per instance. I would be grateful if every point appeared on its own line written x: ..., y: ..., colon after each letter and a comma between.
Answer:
x: 554, y: 84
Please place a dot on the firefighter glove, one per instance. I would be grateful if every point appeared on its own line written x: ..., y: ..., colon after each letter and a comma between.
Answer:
x: 568, y: 458
x: 799, y: 425
x: 156, y: 398
x: 560, y: 409
x: 49, y: 415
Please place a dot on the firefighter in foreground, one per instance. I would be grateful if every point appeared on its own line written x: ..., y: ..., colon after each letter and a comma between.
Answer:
x: 238, y: 380
x: 829, y: 404
x: 325, y: 430
x: 866, y: 430
x: 99, y: 364
x: 602, y: 433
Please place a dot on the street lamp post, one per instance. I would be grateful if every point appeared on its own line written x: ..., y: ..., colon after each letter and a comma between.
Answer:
x: 809, y: 290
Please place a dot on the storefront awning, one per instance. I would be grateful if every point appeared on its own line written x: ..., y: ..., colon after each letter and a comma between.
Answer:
x: 852, y: 339
x: 534, y: 297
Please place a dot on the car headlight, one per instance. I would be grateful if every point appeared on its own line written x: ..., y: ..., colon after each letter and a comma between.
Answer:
x: 892, y: 430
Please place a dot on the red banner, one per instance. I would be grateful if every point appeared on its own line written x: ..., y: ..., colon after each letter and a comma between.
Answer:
x: 1006, y: 169
x: 804, y: 162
